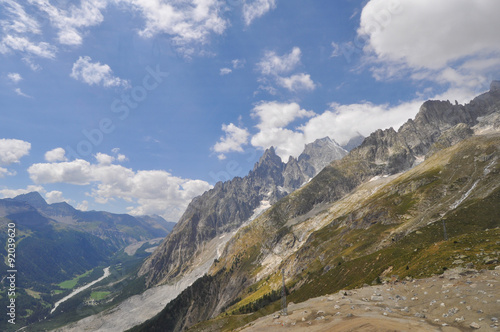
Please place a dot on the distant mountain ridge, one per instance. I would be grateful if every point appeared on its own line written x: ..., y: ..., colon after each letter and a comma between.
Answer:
x: 228, y: 205
x: 120, y: 229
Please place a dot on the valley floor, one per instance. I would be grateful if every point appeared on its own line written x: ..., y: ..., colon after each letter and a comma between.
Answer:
x: 459, y: 300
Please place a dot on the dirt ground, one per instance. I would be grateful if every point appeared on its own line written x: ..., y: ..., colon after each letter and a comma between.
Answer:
x: 459, y: 300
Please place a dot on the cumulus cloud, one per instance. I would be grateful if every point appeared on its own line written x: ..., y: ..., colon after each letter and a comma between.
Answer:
x: 225, y: 71
x: 78, y: 172
x: 273, y: 119
x: 342, y: 122
x: 55, y: 196
x: 273, y: 64
x: 274, y: 67
x: 425, y: 33
x: 12, y: 150
x: 297, y: 82
x: 256, y: 8
x: 14, y: 77
x: 118, y: 156
x: 89, y: 72
x: 83, y: 206
x: 10, y: 193
x: 450, y: 42
x: 57, y: 154
x: 104, y: 159
x: 149, y: 191
x: 339, y: 122
x: 233, y: 140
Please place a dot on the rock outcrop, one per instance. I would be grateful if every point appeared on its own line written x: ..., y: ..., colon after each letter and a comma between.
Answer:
x: 230, y: 204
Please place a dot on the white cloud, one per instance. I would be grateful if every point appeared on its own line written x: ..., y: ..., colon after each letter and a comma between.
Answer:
x: 154, y: 191
x: 70, y: 21
x: 273, y: 64
x: 273, y: 118
x: 256, y: 8
x: 10, y: 193
x: 19, y: 92
x: 276, y: 115
x: 104, y: 159
x: 86, y: 71
x: 78, y: 172
x: 57, y: 154
x: 83, y: 206
x: 12, y: 150
x: 189, y: 22
x: 336, y: 50
x: 26, y: 46
x: 233, y: 140
x: 273, y: 67
x: 297, y: 82
x: 340, y: 122
x: 5, y: 172
x: 430, y: 34
x: 238, y: 63
x: 121, y: 157
x: 118, y: 156
x: 30, y: 63
x: 225, y: 71
x: 55, y: 196
x: 18, y: 21
x: 14, y: 77
x: 449, y: 42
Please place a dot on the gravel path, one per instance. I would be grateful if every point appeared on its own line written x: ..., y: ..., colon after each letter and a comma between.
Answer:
x: 459, y: 300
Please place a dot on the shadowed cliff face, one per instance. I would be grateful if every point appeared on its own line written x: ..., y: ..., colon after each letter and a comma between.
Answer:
x: 229, y: 204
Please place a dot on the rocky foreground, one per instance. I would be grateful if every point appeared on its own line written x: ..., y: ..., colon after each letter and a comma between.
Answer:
x: 459, y: 300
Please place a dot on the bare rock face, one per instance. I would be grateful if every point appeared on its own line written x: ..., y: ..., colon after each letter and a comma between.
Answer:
x: 229, y: 204
x: 495, y: 85
x: 387, y: 152
x: 384, y: 152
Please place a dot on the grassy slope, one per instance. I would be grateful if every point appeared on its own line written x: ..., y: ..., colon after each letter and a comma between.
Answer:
x: 399, y: 213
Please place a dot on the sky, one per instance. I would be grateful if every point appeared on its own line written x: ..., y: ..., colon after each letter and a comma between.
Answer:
x: 138, y: 106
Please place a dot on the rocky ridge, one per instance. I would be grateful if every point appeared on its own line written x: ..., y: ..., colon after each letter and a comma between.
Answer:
x: 230, y: 204
x: 384, y: 153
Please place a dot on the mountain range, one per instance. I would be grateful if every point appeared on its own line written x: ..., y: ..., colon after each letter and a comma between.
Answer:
x: 56, y: 242
x: 229, y: 205
x: 405, y: 203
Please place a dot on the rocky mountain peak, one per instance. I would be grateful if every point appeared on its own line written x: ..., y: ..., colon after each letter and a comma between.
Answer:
x: 269, y: 159
x: 318, y: 154
x: 230, y: 204
x: 354, y: 142
x: 33, y: 198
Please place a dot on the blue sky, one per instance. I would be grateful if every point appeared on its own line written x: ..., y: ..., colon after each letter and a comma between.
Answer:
x: 140, y: 105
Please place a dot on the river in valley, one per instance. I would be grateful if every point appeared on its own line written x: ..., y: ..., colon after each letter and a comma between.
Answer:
x: 81, y: 289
